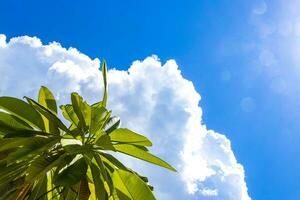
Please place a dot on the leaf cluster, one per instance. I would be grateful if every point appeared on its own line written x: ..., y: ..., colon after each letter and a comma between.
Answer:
x: 41, y: 158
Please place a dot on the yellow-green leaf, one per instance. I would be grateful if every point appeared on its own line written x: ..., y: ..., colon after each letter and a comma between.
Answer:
x: 130, y: 187
x: 48, y: 114
x: 143, y: 155
x: 125, y: 135
x: 47, y: 100
x: 104, y: 74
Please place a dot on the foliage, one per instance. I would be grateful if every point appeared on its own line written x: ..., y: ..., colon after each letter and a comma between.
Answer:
x: 41, y: 158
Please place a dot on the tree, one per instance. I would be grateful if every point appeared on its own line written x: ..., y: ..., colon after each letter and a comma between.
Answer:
x: 41, y: 158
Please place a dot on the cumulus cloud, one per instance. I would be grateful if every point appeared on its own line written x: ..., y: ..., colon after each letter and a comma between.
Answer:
x: 151, y: 98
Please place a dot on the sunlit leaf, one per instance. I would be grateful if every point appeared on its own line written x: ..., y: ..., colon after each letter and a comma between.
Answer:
x: 127, y: 136
x: 48, y: 114
x: 47, y: 100
x: 104, y: 74
x: 143, y: 155
x: 130, y: 186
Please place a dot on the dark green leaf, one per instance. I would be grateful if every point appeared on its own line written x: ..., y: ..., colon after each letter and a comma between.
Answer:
x: 10, y: 123
x: 22, y: 110
x: 72, y: 174
x: 48, y: 114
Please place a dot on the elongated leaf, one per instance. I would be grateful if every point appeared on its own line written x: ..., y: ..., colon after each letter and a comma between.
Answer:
x: 99, y: 185
x: 69, y: 114
x: 112, y: 161
x: 98, y: 118
x: 10, y: 123
x: 127, y: 136
x: 10, y: 143
x: 143, y: 155
x: 104, y: 72
x: 39, y: 189
x: 65, y: 142
x: 12, y: 172
x: 34, y: 147
x: 49, y: 185
x: 24, y: 133
x: 23, y: 111
x: 47, y: 100
x: 131, y: 186
x: 82, y: 110
x: 42, y: 165
x: 98, y: 161
x: 93, y: 195
x: 48, y: 114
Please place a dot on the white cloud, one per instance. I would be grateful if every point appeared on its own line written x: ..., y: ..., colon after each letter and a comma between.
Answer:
x: 151, y: 98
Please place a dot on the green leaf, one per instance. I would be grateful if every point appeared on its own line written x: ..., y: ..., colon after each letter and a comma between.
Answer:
x: 11, y: 143
x: 41, y: 165
x: 82, y: 110
x: 99, y: 185
x: 105, y: 143
x: 33, y: 147
x: 39, y: 190
x: 23, y: 111
x: 48, y: 114
x: 127, y: 136
x: 98, y: 161
x: 12, y: 172
x: 10, y: 123
x: 69, y: 114
x: 143, y: 155
x: 46, y: 99
x: 104, y: 72
x: 24, y: 133
x: 65, y: 142
x: 112, y: 161
x: 98, y: 118
x: 131, y: 186
x: 72, y: 174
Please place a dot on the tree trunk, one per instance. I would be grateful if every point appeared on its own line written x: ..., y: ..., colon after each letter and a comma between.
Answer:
x: 22, y: 192
x: 84, y: 191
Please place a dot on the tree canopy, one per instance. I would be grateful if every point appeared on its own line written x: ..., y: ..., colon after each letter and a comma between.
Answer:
x: 42, y: 158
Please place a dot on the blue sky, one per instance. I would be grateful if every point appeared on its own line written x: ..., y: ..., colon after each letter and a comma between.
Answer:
x: 240, y: 55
